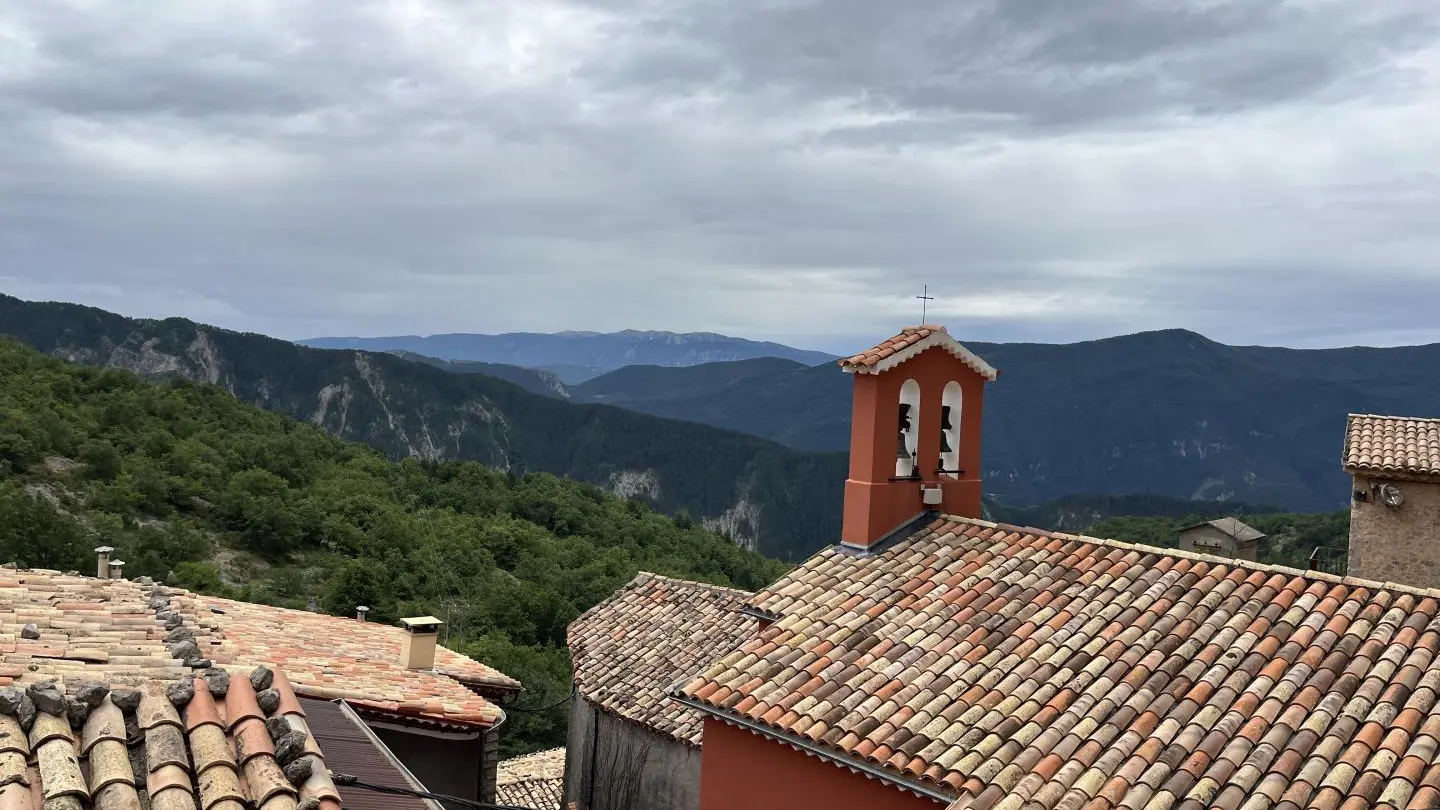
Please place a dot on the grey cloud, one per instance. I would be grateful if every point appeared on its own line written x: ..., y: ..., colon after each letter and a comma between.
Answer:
x: 783, y: 169
x: 1036, y: 63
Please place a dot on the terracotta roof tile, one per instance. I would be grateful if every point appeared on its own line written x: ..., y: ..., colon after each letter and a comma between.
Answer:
x: 913, y: 339
x: 1392, y: 444
x: 535, y: 780
x: 88, y: 759
x: 629, y: 650
x: 908, y: 337
x: 332, y: 657
x: 1145, y: 678
x: 125, y: 632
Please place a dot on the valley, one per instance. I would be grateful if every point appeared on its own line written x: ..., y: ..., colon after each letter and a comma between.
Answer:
x: 754, y: 448
x: 761, y: 494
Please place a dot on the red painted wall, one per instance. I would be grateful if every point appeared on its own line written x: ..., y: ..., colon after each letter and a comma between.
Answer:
x: 874, y: 504
x: 740, y: 770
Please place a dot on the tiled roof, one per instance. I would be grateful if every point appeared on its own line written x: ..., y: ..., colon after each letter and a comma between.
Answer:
x: 127, y: 632
x: 631, y: 648
x: 535, y: 780
x: 908, y: 336
x: 1233, y: 526
x: 202, y: 743
x: 1392, y: 444
x: 1010, y: 668
x: 910, y: 340
x: 333, y: 657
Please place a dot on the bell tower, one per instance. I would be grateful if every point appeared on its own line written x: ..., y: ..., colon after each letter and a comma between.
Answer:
x: 914, y: 432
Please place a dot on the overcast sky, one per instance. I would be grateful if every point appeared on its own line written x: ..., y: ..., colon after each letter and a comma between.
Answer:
x: 1258, y: 170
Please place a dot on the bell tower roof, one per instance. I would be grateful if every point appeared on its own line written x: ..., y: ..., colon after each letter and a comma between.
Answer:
x: 911, y: 341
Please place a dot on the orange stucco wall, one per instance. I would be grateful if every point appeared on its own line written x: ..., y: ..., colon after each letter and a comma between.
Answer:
x: 874, y: 504
x: 744, y: 771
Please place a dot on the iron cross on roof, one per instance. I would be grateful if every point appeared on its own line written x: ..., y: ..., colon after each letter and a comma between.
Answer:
x: 925, y: 299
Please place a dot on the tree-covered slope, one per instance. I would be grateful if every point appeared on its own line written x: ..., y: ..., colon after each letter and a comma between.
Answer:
x: 765, y: 496
x: 195, y: 487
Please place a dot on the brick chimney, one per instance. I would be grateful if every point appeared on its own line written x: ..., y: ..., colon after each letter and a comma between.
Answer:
x: 417, y: 648
x: 914, y: 432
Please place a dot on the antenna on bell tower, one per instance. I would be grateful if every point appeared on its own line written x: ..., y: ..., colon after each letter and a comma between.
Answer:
x: 925, y: 299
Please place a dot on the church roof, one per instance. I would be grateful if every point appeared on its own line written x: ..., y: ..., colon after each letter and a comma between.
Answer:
x: 993, y: 666
x: 909, y: 342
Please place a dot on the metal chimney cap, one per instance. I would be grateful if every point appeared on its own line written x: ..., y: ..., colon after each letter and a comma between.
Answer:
x: 103, y: 550
x: 116, y: 563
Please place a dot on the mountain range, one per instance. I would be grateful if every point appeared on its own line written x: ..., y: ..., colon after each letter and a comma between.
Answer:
x: 1169, y: 412
x: 755, y: 447
x: 574, y: 357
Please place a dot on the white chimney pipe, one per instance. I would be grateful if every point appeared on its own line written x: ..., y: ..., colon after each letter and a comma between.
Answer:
x: 115, y: 566
x: 102, y: 568
x: 360, y: 612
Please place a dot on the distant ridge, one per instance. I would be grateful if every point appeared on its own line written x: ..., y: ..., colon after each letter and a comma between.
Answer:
x: 1168, y: 412
x: 576, y: 356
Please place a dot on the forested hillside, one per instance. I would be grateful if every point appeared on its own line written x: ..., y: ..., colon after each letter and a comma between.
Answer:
x: 195, y: 487
x: 764, y: 496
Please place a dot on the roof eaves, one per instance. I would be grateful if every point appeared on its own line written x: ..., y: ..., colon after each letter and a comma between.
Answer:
x: 939, y: 338
x: 803, y: 745
x: 429, y: 721
x: 504, y: 683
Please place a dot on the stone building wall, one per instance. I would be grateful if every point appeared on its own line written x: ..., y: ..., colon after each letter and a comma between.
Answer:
x: 1399, y: 544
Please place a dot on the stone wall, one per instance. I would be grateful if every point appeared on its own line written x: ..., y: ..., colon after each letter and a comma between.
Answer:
x: 1396, y: 544
x: 632, y: 767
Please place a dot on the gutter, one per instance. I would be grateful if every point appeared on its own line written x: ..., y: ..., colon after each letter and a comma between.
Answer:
x: 841, y: 760
x: 488, y: 772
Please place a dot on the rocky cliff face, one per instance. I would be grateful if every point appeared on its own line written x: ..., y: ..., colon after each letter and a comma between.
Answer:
x: 353, y: 397
x: 411, y: 409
